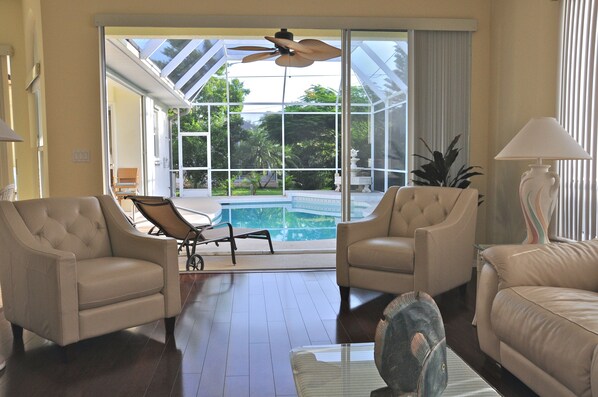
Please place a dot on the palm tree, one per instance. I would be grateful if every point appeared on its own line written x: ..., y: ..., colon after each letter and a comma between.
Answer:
x: 260, y: 150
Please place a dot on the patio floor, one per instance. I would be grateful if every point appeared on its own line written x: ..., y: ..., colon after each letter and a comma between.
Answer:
x: 253, y: 254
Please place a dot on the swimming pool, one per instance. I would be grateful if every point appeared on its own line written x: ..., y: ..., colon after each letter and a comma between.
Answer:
x: 296, y: 220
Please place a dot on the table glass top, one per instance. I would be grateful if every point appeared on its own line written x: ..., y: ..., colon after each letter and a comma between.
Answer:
x: 349, y: 370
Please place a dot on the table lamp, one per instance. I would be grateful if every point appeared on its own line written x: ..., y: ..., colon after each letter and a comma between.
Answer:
x: 7, y: 135
x: 541, y: 138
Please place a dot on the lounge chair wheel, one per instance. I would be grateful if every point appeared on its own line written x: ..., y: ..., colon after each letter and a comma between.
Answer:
x: 195, y: 262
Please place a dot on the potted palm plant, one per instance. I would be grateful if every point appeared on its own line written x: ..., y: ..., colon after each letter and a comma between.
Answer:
x: 437, y: 170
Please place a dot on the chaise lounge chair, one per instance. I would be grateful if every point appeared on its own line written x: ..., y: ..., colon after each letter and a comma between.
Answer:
x: 168, y: 221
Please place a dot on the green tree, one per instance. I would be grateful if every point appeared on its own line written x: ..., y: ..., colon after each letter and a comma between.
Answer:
x: 309, y: 138
x: 262, y: 152
x: 196, y: 120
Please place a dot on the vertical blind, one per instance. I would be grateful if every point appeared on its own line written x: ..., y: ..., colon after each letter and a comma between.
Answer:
x: 442, y: 74
x: 4, y: 170
x: 577, y: 105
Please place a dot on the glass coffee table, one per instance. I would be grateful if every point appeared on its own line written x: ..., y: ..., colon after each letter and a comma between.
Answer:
x: 349, y: 370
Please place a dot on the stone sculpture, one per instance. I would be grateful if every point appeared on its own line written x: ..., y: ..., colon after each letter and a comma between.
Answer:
x: 410, y: 348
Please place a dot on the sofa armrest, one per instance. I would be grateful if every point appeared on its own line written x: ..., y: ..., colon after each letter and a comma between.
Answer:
x: 486, y: 292
x: 128, y: 242
x: 444, y: 253
x: 374, y: 225
x: 573, y: 265
x: 37, y: 279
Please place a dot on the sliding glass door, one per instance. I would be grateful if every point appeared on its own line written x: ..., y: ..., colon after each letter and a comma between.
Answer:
x: 378, y: 84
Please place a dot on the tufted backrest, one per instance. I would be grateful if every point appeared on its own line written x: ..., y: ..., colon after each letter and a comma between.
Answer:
x: 420, y: 206
x: 68, y: 224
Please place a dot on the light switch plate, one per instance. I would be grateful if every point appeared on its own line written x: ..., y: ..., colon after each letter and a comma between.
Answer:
x: 80, y: 156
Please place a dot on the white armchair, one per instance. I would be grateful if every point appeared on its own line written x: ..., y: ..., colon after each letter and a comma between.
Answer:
x: 419, y: 238
x: 75, y: 268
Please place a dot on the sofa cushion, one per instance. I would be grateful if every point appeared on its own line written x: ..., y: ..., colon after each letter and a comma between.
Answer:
x: 556, y: 265
x: 555, y: 328
x: 104, y: 281
x: 391, y: 254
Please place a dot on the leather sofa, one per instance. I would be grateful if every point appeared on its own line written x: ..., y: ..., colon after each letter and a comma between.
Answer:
x: 73, y: 268
x: 537, y: 315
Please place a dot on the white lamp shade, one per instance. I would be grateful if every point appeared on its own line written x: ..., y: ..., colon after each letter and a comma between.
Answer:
x: 543, y: 138
x: 7, y: 134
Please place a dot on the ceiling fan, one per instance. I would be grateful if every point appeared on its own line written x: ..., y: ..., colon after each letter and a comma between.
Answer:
x: 291, y: 53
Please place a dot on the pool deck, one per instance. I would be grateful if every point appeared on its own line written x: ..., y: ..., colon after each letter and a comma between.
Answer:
x: 254, y: 246
x: 212, y: 207
x: 373, y: 197
x: 206, y: 205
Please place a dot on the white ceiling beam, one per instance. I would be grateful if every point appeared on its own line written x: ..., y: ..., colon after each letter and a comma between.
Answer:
x: 366, y: 82
x: 150, y: 47
x: 384, y: 67
x: 198, y: 65
x: 200, y: 83
x: 180, y: 57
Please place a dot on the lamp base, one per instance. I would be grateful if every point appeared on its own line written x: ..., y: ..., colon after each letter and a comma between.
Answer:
x: 538, y: 194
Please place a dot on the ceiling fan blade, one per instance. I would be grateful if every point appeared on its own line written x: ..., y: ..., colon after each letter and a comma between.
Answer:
x: 259, y: 56
x: 290, y: 44
x: 319, y: 51
x: 251, y: 48
x: 293, y: 60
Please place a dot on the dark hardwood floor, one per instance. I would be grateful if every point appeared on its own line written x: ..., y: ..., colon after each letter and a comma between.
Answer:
x: 232, y: 339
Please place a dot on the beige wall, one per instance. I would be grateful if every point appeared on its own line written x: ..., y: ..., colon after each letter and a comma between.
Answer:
x: 71, y: 55
x: 524, y: 59
x: 513, y: 77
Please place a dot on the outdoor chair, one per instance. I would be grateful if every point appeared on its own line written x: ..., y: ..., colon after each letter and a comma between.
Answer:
x: 168, y: 221
x: 126, y: 183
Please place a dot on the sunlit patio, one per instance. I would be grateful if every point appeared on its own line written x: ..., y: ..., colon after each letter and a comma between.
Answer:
x: 256, y: 144
x: 256, y: 128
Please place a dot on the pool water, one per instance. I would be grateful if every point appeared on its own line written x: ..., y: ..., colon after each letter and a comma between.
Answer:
x: 284, y: 222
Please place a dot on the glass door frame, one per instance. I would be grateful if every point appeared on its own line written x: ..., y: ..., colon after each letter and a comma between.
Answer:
x: 346, y: 125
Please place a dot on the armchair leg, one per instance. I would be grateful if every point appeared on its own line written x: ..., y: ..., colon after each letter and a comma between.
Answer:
x: 344, y: 293
x: 17, y: 332
x: 67, y: 353
x: 169, y: 325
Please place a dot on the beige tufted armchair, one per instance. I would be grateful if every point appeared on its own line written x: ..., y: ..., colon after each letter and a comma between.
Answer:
x: 419, y: 238
x: 75, y: 268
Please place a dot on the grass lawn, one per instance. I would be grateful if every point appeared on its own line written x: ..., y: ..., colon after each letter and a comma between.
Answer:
x: 244, y: 191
